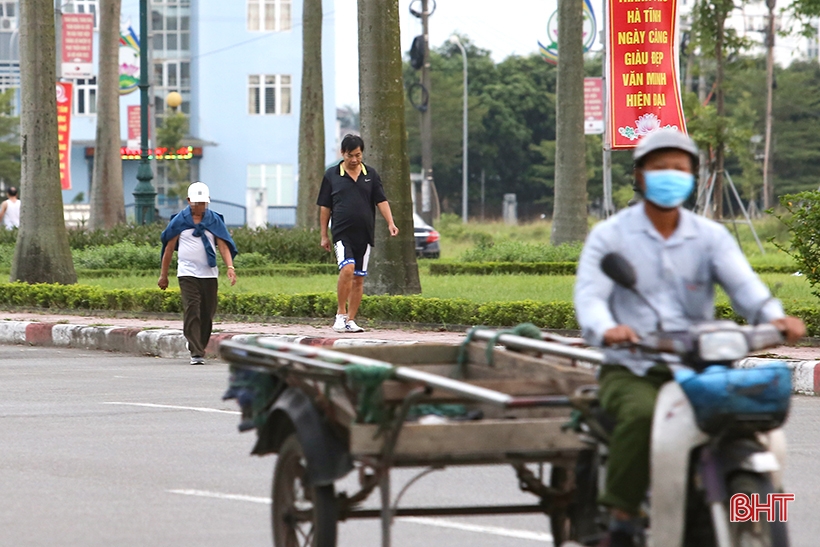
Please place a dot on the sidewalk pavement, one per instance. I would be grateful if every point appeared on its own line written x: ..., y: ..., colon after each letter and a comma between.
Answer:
x: 162, y: 337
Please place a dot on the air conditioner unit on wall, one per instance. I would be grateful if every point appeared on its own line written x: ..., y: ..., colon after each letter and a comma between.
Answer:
x: 8, y: 23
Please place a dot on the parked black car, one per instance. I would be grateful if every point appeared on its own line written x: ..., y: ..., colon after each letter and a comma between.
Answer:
x: 427, y: 239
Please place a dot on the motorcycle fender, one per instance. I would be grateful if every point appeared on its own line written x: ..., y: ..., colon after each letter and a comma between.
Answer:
x: 775, y: 441
x: 674, y: 434
x: 328, y: 457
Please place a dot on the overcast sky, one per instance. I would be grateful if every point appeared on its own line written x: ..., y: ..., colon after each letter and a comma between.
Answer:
x: 504, y: 27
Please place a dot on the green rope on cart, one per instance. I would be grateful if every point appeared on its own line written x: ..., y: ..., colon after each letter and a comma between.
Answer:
x: 367, y: 380
x: 527, y: 330
x: 461, y: 360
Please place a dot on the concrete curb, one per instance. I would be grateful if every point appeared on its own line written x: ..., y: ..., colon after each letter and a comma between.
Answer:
x: 167, y: 343
x: 805, y: 374
x: 170, y: 343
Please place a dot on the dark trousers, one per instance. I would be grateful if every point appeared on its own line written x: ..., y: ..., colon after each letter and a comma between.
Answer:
x: 199, y: 299
x: 631, y: 400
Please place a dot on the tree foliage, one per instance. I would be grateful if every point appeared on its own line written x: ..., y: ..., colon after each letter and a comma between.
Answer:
x: 169, y: 135
x: 9, y: 140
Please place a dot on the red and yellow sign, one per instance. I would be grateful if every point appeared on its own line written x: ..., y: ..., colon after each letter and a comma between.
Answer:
x: 64, y: 97
x: 642, y: 77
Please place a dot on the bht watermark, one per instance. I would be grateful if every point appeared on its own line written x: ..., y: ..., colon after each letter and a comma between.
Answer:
x: 743, y: 508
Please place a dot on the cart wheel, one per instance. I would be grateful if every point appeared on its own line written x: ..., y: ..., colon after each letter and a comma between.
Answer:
x: 302, y: 515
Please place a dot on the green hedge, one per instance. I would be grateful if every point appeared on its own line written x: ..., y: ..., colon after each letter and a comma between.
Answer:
x: 405, y: 309
x: 295, y: 270
x: 544, y: 268
x: 498, y: 268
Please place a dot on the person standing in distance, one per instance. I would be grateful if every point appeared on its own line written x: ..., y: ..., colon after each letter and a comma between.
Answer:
x: 350, y: 193
x: 10, y: 210
x: 196, y: 231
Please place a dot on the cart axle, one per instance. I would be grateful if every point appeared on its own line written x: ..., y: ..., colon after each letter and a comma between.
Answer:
x: 445, y: 511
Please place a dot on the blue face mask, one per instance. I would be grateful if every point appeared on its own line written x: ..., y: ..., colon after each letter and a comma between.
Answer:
x: 668, y: 187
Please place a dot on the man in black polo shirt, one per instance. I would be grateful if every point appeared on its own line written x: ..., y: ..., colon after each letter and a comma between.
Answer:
x: 349, y: 193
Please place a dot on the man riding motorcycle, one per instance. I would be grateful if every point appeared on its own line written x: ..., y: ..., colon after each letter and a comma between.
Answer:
x: 679, y: 257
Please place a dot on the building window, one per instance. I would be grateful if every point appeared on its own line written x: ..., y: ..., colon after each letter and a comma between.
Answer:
x: 172, y: 76
x: 83, y: 6
x: 277, y: 180
x: 85, y: 97
x: 171, y: 26
x: 8, y: 16
x: 269, y: 94
x: 269, y: 15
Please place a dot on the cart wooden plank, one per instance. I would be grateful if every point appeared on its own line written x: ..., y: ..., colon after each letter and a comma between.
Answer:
x: 471, y: 439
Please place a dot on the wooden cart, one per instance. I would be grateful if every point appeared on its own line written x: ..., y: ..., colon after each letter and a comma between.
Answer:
x: 328, y: 413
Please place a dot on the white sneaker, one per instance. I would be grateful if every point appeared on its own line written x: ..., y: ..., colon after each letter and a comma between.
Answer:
x: 340, y: 325
x: 351, y: 326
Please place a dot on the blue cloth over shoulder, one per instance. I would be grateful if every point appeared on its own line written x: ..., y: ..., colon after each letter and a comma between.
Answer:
x: 211, y: 221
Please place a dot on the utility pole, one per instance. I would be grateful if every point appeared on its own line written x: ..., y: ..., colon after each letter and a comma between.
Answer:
x: 144, y: 193
x: 767, y: 183
x: 429, y: 196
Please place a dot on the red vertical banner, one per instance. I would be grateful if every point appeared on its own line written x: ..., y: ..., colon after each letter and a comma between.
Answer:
x: 64, y: 96
x: 134, y: 127
x: 642, y: 77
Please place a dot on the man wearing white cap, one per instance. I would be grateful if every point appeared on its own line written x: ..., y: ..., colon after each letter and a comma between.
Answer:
x: 195, y: 232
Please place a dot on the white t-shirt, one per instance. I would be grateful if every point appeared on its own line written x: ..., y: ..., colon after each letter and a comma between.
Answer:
x: 192, y: 259
x: 12, y: 217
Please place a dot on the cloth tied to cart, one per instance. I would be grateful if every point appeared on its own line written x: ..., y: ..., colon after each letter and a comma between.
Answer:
x: 255, y: 393
x: 366, y: 381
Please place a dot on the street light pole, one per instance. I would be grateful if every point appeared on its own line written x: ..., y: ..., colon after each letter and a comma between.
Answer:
x: 455, y: 40
x: 144, y: 193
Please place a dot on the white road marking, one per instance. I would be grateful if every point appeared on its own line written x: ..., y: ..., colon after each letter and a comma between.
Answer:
x: 492, y: 530
x: 218, y: 495
x: 175, y: 407
x: 440, y: 523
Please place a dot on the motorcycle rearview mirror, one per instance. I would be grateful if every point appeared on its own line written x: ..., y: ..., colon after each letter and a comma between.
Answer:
x: 618, y: 269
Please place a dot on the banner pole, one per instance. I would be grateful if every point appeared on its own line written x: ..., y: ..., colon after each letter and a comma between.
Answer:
x: 609, y: 206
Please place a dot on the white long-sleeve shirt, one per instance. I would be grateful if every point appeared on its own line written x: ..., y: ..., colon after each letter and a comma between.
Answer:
x: 676, y: 275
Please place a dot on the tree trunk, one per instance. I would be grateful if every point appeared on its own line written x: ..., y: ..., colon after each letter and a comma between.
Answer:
x: 42, y: 254
x: 311, y: 117
x: 381, y: 99
x: 107, y: 199
x: 569, y: 217
x: 720, y: 150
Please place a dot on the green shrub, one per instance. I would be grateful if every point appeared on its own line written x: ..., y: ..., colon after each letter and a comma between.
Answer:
x: 803, y: 221
x: 518, y: 251
x: 503, y: 268
x: 282, y: 246
x: 121, y: 256
x: 246, y: 261
x: 6, y: 253
x: 137, y: 234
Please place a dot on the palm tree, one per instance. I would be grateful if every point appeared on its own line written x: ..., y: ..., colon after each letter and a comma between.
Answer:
x: 569, y: 217
x: 381, y: 106
x: 42, y: 254
x: 107, y: 199
x: 311, y: 117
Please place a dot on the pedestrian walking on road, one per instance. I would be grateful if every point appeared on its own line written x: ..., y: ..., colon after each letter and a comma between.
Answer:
x: 350, y: 193
x: 10, y: 210
x: 195, y: 232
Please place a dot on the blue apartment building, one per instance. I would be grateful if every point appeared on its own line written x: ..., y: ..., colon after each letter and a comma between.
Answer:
x: 237, y: 66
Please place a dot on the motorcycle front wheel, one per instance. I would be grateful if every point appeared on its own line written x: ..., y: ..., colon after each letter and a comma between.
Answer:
x: 755, y: 534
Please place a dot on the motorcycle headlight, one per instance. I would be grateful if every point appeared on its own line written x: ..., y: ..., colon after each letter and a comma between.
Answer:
x: 722, y: 346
